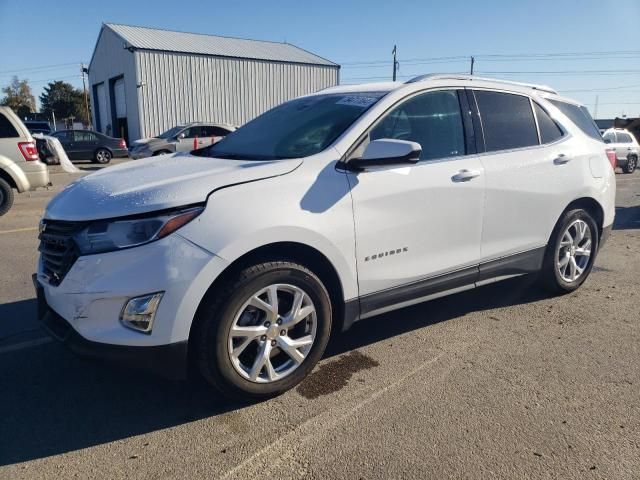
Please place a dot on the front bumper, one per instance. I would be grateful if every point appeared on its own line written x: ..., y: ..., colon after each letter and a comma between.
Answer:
x: 169, y: 361
x: 90, y: 298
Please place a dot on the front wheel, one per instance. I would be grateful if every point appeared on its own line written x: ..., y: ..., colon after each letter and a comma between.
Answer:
x: 102, y: 156
x: 632, y: 163
x: 571, y: 252
x: 263, y: 332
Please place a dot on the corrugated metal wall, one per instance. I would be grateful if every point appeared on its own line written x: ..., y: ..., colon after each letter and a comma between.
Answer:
x: 111, y: 60
x: 184, y: 88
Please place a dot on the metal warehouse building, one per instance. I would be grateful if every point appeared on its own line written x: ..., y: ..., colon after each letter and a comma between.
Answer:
x: 144, y: 81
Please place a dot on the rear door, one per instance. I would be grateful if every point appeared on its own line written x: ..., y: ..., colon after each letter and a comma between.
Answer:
x: 212, y: 134
x: 85, y: 144
x: 529, y: 173
x: 623, y: 145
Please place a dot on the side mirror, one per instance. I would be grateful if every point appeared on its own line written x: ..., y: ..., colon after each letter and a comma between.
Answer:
x: 385, y: 152
x: 181, y: 136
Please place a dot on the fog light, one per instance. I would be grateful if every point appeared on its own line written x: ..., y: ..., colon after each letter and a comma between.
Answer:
x: 138, y: 313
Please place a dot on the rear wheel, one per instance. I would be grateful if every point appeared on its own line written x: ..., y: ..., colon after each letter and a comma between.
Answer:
x: 102, y: 155
x: 160, y: 152
x: 632, y: 163
x: 262, y: 333
x: 6, y: 197
x: 571, y: 252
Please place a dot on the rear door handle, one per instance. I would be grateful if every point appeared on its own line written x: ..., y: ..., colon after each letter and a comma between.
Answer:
x: 561, y: 159
x: 465, y: 175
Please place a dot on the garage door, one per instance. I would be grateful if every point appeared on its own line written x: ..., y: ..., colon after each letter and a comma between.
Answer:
x: 121, y: 104
x: 102, y: 107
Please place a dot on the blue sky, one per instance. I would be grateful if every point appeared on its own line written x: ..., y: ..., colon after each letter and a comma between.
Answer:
x: 64, y: 33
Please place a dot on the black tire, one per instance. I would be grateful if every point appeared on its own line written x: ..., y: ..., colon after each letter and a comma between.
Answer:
x: 632, y: 163
x: 6, y: 197
x: 160, y: 152
x: 102, y: 156
x: 216, y: 316
x: 550, y: 276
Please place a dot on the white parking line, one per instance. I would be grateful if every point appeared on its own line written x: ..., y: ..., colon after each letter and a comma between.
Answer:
x: 28, y: 344
x: 16, y: 230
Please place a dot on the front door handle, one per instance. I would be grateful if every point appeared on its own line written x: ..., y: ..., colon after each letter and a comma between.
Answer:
x: 465, y: 175
x: 561, y: 159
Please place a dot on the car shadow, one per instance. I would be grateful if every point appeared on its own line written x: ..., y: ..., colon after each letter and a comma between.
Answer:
x: 627, y: 218
x: 54, y: 402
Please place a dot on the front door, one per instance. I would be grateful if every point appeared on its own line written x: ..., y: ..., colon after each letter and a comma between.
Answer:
x: 84, y: 145
x: 418, y: 227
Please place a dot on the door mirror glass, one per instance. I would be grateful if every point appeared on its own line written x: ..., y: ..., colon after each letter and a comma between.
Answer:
x: 387, y: 151
x: 181, y: 136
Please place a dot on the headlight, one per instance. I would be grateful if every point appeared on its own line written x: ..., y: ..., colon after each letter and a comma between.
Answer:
x: 108, y: 235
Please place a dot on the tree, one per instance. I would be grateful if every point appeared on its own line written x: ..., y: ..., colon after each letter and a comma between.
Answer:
x: 18, y: 97
x: 65, y: 100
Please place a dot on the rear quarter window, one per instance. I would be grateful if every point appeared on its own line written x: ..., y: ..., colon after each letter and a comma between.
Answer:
x: 7, y: 130
x: 580, y: 117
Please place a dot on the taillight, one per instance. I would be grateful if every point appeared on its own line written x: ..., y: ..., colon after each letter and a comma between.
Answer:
x: 123, y: 144
x: 611, y: 155
x: 29, y: 151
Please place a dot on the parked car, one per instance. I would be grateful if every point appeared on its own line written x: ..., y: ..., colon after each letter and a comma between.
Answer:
x: 20, y: 167
x: 180, y: 139
x: 87, y: 144
x: 37, y: 126
x: 626, y: 148
x: 241, y: 258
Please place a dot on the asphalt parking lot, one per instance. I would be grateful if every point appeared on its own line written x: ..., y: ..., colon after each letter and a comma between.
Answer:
x: 501, y: 382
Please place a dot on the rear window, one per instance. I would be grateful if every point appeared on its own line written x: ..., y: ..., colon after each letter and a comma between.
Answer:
x: 609, y: 137
x: 507, y: 120
x: 549, y: 129
x: 7, y: 130
x: 580, y: 116
x: 623, y: 137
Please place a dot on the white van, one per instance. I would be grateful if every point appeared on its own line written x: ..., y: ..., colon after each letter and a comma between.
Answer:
x: 241, y: 258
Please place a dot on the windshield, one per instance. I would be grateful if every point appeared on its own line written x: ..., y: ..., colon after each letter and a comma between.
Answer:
x: 172, y: 132
x: 298, y: 128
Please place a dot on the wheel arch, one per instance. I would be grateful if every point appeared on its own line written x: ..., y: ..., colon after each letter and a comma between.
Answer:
x: 103, y: 148
x: 590, y: 205
x: 8, y: 178
x: 296, y: 252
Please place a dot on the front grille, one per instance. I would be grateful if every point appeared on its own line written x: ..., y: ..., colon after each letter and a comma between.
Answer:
x: 58, y: 249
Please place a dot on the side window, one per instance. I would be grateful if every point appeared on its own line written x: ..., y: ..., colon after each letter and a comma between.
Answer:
x: 84, y: 136
x: 193, y: 132
x: 609, y: 137
x: 432, y: 119
x: 549, y: 129
x: 623, y: 137
x: 219, y: 132
x: 580, y: 116
x: 507, y: 120
x: 7, y: 130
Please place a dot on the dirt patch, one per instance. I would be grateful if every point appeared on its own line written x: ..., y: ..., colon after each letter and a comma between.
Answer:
x: 335, y: 375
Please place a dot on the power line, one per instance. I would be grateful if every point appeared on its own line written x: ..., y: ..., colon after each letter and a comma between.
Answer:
x: 36, y: 69
x: 606, y: 89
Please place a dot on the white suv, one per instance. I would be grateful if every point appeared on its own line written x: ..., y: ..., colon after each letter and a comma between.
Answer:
x: 240, y: 259
x: 626, y: 148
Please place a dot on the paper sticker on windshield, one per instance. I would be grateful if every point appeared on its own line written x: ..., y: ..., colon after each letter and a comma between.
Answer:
x: 357, y: 101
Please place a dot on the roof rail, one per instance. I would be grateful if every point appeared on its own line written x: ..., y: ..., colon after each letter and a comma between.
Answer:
x: 453, y: 76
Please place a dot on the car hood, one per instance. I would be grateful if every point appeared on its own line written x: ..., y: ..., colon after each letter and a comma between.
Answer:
x: 149, y: 142
x: 156, y: 183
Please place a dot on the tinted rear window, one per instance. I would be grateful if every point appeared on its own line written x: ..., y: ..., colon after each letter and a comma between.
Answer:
x: 549, y: 129
x: 507, y: 120
x: 7, y: 130
x: 580, y: 116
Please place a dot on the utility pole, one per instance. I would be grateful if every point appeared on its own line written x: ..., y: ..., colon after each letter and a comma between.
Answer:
x: 84, y: 70
x: 395, y: 63
x: 473, y: 60
x: 595, y: 108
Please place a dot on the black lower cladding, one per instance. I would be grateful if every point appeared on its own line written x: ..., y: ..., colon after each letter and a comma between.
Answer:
x: 606, y: 232
x: 169, y: 361
x: 517, y: 264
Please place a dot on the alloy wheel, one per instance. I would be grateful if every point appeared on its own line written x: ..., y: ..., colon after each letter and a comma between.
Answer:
x: 574, y: 251
x: 272, y: 333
